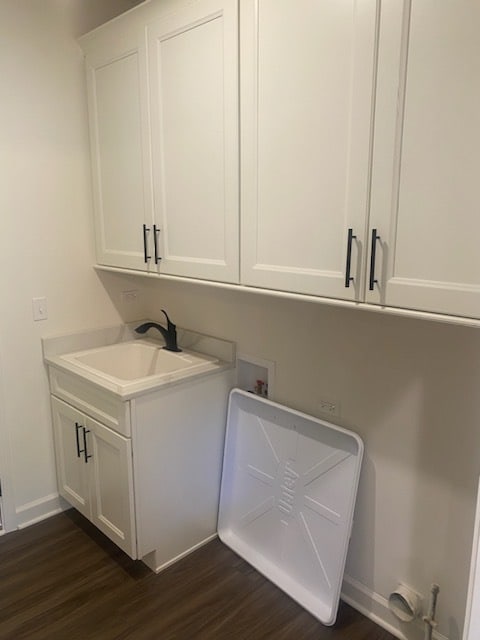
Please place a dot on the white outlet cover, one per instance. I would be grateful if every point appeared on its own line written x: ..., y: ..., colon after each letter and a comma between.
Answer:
x: 130, y: 296
x: 288, y: 493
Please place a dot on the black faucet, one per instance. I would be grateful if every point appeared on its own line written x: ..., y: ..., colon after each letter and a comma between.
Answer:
x: 169, y: 334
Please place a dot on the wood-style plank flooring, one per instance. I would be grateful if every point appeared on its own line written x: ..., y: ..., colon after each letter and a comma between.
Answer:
x: 61, y: 579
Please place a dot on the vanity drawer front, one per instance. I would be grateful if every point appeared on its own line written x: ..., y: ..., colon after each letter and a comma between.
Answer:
x: 98, y: 404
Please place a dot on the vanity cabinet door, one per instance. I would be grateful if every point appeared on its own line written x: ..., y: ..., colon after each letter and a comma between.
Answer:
x: 119, y: 141
x: 193, y: 81
x: 94, y: 471
x: 425, y: 199
x: 72, y: 476
x: 110, y: 467
x: 307, y: 73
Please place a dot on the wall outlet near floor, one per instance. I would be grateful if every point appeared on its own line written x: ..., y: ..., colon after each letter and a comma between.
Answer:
x: 328, y: 407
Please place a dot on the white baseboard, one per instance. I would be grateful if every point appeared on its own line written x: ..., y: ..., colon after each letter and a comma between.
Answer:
x: 151, y: 561
x: 375, y: 607
x: 33, y: 512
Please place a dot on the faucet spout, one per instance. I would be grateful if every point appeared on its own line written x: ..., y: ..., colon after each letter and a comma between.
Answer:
x: 169, y: 334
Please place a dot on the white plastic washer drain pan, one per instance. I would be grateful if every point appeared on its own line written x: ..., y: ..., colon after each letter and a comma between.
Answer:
x: 287, y: 498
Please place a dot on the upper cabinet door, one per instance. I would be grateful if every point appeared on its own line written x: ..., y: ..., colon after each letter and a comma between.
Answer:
x: 425, y: 197
x: 120, y: 148
x: 193, y: 81
x: 307, y: 73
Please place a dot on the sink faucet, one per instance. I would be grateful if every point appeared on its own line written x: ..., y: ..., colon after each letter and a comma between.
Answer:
x: 169, y: 334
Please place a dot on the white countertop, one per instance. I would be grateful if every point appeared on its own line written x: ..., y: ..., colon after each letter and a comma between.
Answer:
x: 61, y: 352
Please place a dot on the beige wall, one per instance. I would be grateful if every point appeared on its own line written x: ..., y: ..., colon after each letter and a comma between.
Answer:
x: 409, y: 387
x: 46, y: 241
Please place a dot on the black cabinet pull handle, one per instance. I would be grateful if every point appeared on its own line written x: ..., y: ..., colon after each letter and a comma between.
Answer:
x: 373, y: 251
x: 85, y: 453
x: 77, y: 429
x: 146, y: 257
x: 156, y: 231
x: 348, y: 277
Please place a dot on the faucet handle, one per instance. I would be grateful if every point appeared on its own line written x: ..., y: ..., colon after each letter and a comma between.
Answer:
x: 170, y: 324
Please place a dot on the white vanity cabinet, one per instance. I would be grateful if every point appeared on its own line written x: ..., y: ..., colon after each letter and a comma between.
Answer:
x: 426, y: 158
x: 307, y: 74
x: 178, y: 457
x: 144, y: 469
x: 94, y: 471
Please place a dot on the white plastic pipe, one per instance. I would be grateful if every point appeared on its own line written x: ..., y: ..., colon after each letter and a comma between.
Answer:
x: 429, y: 620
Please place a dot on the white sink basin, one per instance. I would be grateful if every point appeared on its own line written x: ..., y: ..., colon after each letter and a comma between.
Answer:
x: 138, y: 359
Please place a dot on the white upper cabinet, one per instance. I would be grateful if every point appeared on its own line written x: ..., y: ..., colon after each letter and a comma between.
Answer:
x: 119, y: 139
x: 307, y: 74
x: 359, y: 154
x: 193, y: 82
x: 426, y: 163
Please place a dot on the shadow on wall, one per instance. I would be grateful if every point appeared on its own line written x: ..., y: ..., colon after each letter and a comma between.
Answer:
x: 408, y: 387
x: 425, y: 446
x: 449, y: 457
x: 88, y: 14
x: 126, y: 294
x: 362, y: 542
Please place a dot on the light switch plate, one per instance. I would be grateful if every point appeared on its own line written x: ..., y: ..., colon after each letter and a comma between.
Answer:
x: 39, y: 306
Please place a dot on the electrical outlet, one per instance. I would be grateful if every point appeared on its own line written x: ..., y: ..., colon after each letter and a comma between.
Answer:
x: 328, y: 407
x: 128, y: 297
x: 39, y: 308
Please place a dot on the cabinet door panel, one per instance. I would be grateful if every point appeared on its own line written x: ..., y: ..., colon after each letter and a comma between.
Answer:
x: 307, y: 72
x: 112, y: 485
x: 116, y: 82
x: 193, y: 83
x: 71, y: 473
x: 426, y: 207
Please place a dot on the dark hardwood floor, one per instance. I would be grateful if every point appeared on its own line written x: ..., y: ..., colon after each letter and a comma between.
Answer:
x: 63, y: 580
